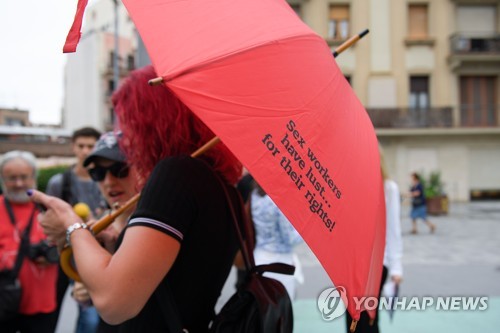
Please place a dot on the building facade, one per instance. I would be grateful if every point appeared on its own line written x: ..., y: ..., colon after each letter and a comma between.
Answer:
x: 89, y: 72
x: 428, y: 75
x: 14, y: 117
x: 17, y: 133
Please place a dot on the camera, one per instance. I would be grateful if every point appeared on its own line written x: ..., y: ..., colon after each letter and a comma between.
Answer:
x: 43, y: 249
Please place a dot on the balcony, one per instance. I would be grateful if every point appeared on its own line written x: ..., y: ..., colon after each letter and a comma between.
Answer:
x: 471, y: 44
x: 411, y: 118
x: 474, y: 53
x: 476, y: 115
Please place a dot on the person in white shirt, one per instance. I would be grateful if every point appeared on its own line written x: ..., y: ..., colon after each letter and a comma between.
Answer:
x: 393, y: 239
x: 275, y: 239
x: 393, y: 253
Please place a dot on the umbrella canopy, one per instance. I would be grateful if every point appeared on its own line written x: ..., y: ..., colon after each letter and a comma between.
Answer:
x: 269, y: 87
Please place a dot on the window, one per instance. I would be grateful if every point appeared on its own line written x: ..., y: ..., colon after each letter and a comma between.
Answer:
x: 479, y: 20
x: 476, y: 29
x: 338, y: 24
x: 14, y: 122
x: 111, y: 59
x: 112, y: 116
x: 418, y: 21
x: 419, y: 92
x: 111, y: 86
x: 130, y: 62
x: 478, y: 100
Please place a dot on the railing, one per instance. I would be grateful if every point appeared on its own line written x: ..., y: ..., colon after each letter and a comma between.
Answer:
x: 474, y: 43
x: 472, y: 115
x: 411, y: 118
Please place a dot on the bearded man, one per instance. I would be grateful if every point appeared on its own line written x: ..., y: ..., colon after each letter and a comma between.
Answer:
x: 20, y: 233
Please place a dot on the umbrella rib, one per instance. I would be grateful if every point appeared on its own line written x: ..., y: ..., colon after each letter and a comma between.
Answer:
x: 347, y: 44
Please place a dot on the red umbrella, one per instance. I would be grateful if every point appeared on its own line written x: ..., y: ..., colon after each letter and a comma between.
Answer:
x: 268, y: 86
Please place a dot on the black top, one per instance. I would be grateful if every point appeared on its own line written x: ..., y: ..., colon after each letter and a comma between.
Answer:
x: 184, y: 199
x: 420, y: 199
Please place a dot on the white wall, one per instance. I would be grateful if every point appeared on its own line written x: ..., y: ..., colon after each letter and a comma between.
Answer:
x: 81, y: 104
x: 85, y: 86
x: 466, y: 162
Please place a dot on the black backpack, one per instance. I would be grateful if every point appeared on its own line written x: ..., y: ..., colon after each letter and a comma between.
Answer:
x: 260, y: 304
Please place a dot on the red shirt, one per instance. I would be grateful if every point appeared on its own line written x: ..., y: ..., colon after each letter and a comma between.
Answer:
x: 38, y: 281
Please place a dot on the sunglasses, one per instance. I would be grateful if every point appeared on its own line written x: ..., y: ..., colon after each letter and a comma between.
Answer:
x: 118, y: 170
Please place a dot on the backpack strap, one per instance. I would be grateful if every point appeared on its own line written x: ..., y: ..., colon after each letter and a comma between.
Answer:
x: 247, y: 244
x: 25, y: 238
x: 275, y: 267
x: 66, y: 186
x: 249, y: 225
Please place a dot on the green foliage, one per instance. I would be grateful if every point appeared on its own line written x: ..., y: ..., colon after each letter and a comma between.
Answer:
x: 46, y: 173
x: 433, y: 185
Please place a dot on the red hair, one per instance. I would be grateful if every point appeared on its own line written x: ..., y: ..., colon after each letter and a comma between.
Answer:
x: 156, y: 124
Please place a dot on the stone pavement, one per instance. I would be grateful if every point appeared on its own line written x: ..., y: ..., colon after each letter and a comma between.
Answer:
x: 461, y: 259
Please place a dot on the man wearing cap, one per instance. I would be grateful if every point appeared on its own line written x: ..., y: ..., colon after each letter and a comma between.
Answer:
x: 75, y: 186
x: 106, y: 147
x: 107, y: 166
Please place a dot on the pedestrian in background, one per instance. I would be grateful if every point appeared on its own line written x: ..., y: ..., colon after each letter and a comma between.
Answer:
x: 275, y: 239
x: 76, y: 186
x: 393, y: 252
x: 18, y: 224
x: 418, y: 204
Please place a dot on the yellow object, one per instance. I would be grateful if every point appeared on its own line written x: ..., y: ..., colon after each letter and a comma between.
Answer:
x: 82, y: 209
x: 67, y: 265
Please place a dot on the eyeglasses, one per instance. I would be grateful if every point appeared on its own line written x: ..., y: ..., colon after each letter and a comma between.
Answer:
x: 118, y: 170
x: 14, y: 179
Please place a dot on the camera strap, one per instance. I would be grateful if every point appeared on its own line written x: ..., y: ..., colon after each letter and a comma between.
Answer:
x: 25, y: 238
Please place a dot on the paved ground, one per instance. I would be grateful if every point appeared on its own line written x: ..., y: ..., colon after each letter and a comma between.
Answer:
x: 461, y: 259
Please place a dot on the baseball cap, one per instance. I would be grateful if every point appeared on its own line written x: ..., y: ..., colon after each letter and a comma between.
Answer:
x: 107, y: 147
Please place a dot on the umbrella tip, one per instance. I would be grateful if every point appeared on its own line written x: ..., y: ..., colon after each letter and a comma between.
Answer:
x: 353, y: 325
x: 156, y: 81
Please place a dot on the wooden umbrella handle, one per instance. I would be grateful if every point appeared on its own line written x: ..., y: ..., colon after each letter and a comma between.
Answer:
x: 348, y: 43
x: 65, y: 258
x: 67, y: 252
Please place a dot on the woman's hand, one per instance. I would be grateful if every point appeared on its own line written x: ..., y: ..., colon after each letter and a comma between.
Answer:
x: 108, y: 238
x: 56, y: 219
x: 396, y: 279
x: 80, y: 293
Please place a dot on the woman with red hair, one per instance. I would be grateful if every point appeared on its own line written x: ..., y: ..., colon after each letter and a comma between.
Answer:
x: 177, y: 250
x: 156, y: 124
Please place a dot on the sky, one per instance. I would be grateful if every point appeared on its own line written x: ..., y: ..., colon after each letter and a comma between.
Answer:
x: 32, y: 35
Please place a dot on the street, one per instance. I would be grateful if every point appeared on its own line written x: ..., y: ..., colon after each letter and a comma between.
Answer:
x: 461, y: 259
